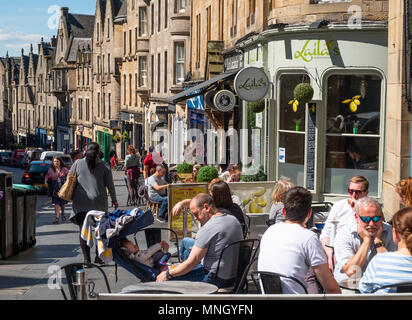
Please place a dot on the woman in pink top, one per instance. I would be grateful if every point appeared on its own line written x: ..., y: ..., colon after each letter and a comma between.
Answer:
x: 54, y: 180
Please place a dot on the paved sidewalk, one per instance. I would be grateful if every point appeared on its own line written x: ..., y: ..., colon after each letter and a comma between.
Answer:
x: 25, y: 276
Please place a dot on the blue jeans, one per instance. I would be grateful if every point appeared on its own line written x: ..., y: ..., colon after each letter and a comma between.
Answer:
x: 199, y: 273
x: 163, y: 207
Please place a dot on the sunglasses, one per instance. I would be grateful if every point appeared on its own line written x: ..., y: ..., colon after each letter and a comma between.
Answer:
x: 351, y: 191
x: 368, y: 219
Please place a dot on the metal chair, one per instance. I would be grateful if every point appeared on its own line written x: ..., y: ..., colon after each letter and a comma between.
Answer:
x: 270, y: 282
x: 243, y: 281
x: 247, y: 250
x: 402, y: 287
x: 70, y: 272
x: 154, y: 235
x: 246, y: 228
x: 270, y: 222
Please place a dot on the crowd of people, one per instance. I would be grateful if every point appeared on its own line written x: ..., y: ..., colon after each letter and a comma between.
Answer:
x: 356, y: 243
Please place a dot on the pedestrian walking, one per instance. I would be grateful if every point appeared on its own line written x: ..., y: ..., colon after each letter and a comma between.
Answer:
x: 93, y: 179
x: 54, y: 180
x: 132, y: 171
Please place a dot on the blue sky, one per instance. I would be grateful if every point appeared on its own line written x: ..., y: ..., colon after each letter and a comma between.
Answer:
x: 23, y: 22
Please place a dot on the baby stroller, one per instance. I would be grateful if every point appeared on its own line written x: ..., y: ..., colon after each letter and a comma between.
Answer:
x: 141, y: 220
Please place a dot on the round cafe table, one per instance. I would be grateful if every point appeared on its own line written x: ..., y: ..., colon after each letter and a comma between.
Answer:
x: 350, y: 284
x: 171, y: 287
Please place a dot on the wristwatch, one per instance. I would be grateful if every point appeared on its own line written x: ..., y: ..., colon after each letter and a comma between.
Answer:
x: 379, y: 244
x: 168, y: 275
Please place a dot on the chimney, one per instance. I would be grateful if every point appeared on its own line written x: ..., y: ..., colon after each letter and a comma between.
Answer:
x: 54, y: 42
x: 64, y: 11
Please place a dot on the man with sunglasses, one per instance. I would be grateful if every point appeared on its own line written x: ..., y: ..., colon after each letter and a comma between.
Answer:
x: 357, y: 244
x: 342, y: 211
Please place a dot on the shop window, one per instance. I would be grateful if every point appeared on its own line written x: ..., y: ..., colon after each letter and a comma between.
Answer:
x: 291, y: 131
x: 352, y: 131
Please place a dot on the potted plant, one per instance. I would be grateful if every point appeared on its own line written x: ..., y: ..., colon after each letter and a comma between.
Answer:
x: 302, y: 94
x: 184, y: 171
x: 116, y: 139
x: 207, y: 174
x: 253, y: 173
x: 257, y: 106
x: 125, y: 137
x: 297, y: 124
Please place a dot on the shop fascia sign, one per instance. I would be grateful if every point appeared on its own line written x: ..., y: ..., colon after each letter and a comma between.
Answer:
x: 315, y: 49
x: 251, y: 84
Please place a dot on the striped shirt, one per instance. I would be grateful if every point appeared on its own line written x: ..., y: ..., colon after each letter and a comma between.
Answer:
x: 386, y: 269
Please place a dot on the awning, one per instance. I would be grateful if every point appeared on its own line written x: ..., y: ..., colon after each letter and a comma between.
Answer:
x: 201, y: 88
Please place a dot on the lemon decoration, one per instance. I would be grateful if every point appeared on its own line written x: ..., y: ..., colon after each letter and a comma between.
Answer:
x: 295, y: 104
x: 353, y: 103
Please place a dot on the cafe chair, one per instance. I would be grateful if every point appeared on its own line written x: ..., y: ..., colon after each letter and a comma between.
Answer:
x: 270, y: 282
x: 402, y: 287
x: 247, y: 250
x: 270, y: 222
x: 70, y: 272
x: 243, y: 286
x: 246, y: 227
x: 154, y: 206
x: 154, y: 235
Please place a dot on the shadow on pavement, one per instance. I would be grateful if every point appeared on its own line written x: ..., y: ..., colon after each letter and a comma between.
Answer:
x: 7, y: 282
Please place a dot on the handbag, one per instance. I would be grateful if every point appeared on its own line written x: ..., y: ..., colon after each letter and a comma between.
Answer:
x: 66, y: 191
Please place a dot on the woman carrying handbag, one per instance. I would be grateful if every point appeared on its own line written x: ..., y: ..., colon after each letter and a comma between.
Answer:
x: 54, y: 180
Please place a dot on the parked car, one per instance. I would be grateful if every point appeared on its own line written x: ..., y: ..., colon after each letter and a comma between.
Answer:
x: 45, y: 154
x: 67, y: 159
x: 35, y: 174
x: 17, y: 158
x: 32, y: 155
x: 5, y: 156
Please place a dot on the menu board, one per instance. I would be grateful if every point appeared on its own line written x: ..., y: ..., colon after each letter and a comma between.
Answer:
x: 178, y: 192
x: 310, y: 171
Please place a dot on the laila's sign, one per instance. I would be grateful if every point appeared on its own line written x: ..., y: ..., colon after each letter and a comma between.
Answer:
x: 313, y: 49
x: 251, y: 84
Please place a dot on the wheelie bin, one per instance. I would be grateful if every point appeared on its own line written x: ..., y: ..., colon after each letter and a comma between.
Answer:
x: 6, y: 215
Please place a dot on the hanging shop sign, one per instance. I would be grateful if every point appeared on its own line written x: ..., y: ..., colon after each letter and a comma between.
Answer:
x: 114, y: 124
x: 224, y: 100
x: 251, y: 84
x: 169, y: 109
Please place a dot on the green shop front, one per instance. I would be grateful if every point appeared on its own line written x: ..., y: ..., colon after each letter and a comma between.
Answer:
x: 104, y: 138
x: 339, y: 133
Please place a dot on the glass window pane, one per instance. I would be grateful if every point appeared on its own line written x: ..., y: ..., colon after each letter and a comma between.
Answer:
x: 347, y: 157
x: 364, y: 115
x: 293, y: 166
x: 290, y: 120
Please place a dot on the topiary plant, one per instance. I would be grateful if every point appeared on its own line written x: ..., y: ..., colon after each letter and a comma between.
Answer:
x: 184, y: 168
x: 116, y: 139
x: 257, y: 106
x: 207, y: 174
x: 125, y: 137
x: 303, y: 93
x: 253, y: 173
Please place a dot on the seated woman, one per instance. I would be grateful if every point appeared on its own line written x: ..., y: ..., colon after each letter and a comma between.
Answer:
x: 281, y: 187
x: 155, y: 256
x: 390, y: 268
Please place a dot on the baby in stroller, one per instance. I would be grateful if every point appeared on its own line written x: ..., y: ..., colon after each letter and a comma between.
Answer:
x: 156, y: 256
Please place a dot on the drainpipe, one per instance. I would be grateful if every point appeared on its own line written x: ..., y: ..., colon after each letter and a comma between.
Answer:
x: 407, y: 71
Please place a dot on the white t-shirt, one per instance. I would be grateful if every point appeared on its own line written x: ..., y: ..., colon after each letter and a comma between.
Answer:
x: 343, y: 213
x: 290, y: 249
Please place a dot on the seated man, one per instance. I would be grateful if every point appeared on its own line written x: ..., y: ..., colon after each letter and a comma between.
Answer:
x: 342, y: 211
x: 158, y: 192
x: 155, y: 256
x: 358, y: 243
x: 216, y: 232
x: 290, y: 249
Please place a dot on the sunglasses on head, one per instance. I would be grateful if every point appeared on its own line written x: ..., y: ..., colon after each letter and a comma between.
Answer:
x: 351, y: 191
x: 368, y: 219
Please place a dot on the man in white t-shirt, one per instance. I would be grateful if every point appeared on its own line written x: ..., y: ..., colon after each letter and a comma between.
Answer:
x: 342, y: 211
x: 289, y: 249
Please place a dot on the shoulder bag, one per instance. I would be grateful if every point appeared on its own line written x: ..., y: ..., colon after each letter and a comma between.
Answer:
x: 66, y: 191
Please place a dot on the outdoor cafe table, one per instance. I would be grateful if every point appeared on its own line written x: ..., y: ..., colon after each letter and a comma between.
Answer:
x: 171, y: 287
x: 350, y: 284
